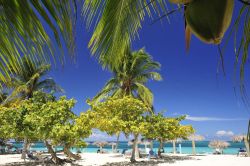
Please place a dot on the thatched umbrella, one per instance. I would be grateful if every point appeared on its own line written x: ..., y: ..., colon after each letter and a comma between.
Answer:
x: 217, y: 144
x: 100, y: 144
x: 194, y: 138
x: 113, y: 144
x: 240, y: 138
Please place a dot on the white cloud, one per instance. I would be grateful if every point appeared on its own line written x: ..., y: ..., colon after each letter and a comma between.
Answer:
x: 99, y: 136
x: 204, y: 118
x: 223, y: 133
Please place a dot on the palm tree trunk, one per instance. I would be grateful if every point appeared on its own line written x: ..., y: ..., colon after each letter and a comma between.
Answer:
x: 67, y: 151
x: 132, y: 159
x: 193, y: 145
x: 117, y: 142
x: 54, y: 158
x: 25, y: 148
x: 247, y: 147
x: 247, y: 140
x: 174, y: 147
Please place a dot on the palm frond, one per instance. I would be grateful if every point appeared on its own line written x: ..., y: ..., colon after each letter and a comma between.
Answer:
x: 116, y: 25
x: 144, y: 94
x: 107, y: 91
x: 49, y: 85
x: 22, y: 31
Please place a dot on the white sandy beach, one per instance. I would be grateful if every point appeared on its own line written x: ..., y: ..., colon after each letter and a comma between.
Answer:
x: 93, y: 159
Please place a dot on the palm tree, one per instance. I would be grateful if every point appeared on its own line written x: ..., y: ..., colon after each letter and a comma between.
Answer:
x: 26, y: 82
x: 22, y: 30
x: 3, y: 97
x: 115, y: 25
x: 130, y: 77
x: 30, y: 79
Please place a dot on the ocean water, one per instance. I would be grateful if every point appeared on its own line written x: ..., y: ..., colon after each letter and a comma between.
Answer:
x: 186, y: 147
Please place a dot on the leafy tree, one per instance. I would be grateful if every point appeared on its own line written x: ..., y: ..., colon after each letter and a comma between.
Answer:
x: 125, y: 115
x: 55, y: 121
x: 163, y: 129
x: 28, y: 80
x: 129, y: 78
x: 42, y: 117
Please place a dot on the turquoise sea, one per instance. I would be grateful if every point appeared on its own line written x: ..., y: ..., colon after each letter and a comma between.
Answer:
x: 186, y: 147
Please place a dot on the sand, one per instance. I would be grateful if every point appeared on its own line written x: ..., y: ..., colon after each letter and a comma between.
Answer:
x: 93, y: 159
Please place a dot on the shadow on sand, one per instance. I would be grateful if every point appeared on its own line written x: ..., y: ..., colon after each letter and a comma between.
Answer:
x: 34, y: 163
x: 151, y: 162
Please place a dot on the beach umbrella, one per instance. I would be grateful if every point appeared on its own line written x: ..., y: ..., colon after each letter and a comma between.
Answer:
x: 217, y: 144
x: 113, y: 144
x: 238, y: 138
x: 194, y: 138
x: 100, y: 144
x: 242, y: 138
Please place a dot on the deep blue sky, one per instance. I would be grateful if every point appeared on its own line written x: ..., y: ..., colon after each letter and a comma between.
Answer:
x: 190, y: 85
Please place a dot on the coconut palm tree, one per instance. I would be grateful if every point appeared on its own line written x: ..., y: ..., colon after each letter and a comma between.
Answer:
x: 130, y: 76
x: 28, y: 80
x: 117, y: 25
x: 194, y: 138
x: 22, y: 30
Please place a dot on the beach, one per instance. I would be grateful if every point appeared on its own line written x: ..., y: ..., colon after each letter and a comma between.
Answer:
x: 110, y: 159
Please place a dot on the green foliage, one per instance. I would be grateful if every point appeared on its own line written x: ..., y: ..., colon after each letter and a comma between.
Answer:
x: 164, y: 129
x: 29, y: 79
x: 120, y: 115
x: 42, y: 117
x: 116, y: 24
x: 22, y: 31
x: 130, y: 77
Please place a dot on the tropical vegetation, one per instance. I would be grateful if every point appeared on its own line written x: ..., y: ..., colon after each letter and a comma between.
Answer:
x: 43, y: 118
x: 30, y: 112
x: 130, y: 77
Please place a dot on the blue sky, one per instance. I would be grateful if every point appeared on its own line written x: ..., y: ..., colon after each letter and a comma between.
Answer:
x: 190, y: 85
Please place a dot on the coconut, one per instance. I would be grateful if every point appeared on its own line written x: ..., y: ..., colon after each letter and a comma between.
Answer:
x: 209, y: 19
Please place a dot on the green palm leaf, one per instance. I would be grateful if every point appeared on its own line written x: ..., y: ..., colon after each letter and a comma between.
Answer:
x: 130, y: 76
x: 116, y: 24
x: 22, y: 31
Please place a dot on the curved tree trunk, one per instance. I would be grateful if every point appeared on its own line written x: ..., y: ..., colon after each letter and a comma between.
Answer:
x: 159, y: 149
x: 247, y: 147
x: 54, y: 158
x: 193, y: 146
x: 25, y: 148
x: 247, y: 140
x: 67, y: 151
x: 134, y: 149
